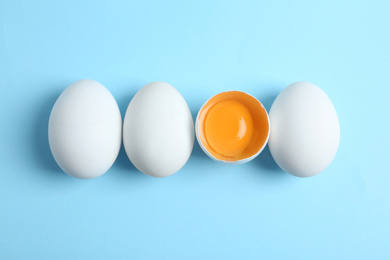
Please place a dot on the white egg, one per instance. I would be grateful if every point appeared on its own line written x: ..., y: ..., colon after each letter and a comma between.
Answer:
x: 85, y: 129
x: 158, y: 130
x: 305, y: 130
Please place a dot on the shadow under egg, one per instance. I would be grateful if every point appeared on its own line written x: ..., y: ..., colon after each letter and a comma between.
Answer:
x: 41, y: 148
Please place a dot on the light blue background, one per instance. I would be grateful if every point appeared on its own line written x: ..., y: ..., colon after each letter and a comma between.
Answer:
x: 207, y: 210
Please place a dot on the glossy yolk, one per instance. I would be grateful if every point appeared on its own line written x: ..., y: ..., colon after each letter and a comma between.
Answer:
x: 233, y: 126
x: 228, y: 128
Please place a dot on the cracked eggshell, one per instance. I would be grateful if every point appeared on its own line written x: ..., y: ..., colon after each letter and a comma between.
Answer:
x: 259, y: 125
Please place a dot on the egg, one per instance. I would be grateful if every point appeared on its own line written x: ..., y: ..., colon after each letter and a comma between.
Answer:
x: 305, y: 130
x: 232, y: 127
x: 158, y: 130
x: 85, y: 129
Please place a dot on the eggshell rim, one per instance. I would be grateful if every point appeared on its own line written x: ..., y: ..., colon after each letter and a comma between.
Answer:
x: 238, y: 161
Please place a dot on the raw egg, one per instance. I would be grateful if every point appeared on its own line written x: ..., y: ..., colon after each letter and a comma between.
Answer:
x: 158, y: 130
x: 232, y: 127
x: 305, y: 131
x: 85, y: 129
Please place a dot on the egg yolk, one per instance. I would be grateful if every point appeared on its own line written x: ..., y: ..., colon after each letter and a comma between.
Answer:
x: 233, y: 126
x: 228, y: 128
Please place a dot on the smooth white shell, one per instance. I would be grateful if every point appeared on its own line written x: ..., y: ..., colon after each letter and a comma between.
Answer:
x: 305, y: 130
x: 85, y: 129
x: 158, y: 130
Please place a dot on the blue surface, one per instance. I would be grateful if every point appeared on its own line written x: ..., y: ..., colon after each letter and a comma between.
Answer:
x: 207, y: 210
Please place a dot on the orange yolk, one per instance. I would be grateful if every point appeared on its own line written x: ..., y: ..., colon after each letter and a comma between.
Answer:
x: 228, y: 128
x: 233, y: 126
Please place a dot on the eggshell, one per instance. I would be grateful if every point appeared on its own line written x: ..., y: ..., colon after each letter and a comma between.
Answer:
x: 231, y: 95
x: 85, y: 129
x: 305, y: 130
x: 158, y: 130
